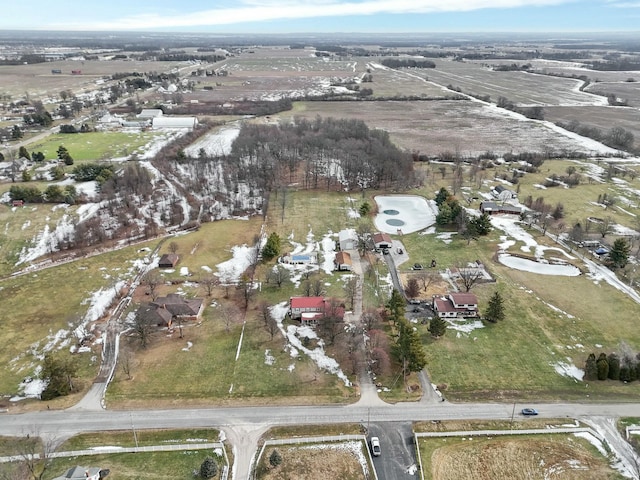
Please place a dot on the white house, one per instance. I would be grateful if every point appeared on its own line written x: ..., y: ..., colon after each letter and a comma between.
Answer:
x: 456, y: 305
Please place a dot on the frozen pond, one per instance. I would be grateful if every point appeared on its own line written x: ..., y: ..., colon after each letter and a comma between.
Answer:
x: 537, y: 267
x: 404, y: 213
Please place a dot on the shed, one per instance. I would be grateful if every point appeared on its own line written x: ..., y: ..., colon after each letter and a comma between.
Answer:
x: 168, y: 260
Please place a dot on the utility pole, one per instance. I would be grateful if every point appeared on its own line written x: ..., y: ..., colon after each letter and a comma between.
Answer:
x: 135, y: 436
x: 513, y: 412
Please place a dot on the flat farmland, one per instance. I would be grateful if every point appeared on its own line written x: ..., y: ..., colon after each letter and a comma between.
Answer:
x: 38, y: 81
x: 433, y: 127
x: 521, y: 457
x: 274, y: 73
x: 519, y: 87
x: 629, y: 91
x: 601, y: 117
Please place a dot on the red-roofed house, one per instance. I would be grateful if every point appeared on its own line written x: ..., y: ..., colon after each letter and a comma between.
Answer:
x: 382, y: 240
x: 309, y: 310
x: 456, y: 305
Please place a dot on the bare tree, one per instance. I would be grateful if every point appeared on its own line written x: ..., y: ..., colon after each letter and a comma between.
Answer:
x: 370, y: 319
x: 125, y: 359
x: 426, y: 278
x: 143, y: 328
x: 246, y: 288
x: 152, y: 280
x: 351, y: 289
x: 229, y: 314
x: 209, y: 283
x: 604, y: 226
x: 469, y: 276
x: 278, y: 275
x: 173, y: 247
x: 35, y: 454
x: 317, y: 287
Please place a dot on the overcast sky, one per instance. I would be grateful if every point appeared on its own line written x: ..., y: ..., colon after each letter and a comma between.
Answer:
x: 299, y: 16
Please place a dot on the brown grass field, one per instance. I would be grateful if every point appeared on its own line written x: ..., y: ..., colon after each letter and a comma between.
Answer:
x: 312, y: 462
x: 530, y: 458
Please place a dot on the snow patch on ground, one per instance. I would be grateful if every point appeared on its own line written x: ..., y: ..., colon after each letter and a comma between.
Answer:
x: 294, y: 336
x: 568, y: 370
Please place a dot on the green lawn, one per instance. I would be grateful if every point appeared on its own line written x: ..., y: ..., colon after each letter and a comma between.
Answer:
x: 58, y: 297
x: 94, y: 146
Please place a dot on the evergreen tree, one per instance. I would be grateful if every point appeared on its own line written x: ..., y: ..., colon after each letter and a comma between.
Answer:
x: 365, y: 208
x: 396, y: 306
x: 437, y: 327
x: 271, y: 249
x: 408, y: 348
x: 16, y: 132
x: 442, y: 196
x: 495, y: 309
x: 614, y: 366
x: 625, y: 373
x: 58, y: 373
x: 22, y: 152
x: 445, y: 215
x: 208, y: 468
x: 482, y: 224
x: 590, y: 368
x: 275, y: 458
x: 619, y: 254
x: 603, y: 367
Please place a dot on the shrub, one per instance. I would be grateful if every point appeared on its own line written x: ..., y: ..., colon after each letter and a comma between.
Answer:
x: 275, y: 458
x: 209, y: 468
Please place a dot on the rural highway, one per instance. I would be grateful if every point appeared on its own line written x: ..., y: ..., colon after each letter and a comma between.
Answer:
x: 243, y: 423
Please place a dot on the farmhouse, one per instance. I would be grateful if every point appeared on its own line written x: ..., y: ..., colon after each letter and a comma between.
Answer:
x: 348, y: 239
x: 182, y: 123
x: 456, y: 305
x: 83, y: 473
x: 382, y: 240
x: 164, y: 310
x: 168, y: 260
x: 343, y: 261
x: 492, y: 208
x: 309, y: 310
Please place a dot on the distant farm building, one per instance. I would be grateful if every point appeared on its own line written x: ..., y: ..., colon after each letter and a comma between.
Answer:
x: 492, y: 208
x: 150, y: 113
x: 186, y: 123
x: 503, y: 193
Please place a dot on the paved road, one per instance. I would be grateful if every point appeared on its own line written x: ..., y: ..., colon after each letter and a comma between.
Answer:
x: 63, y: 424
